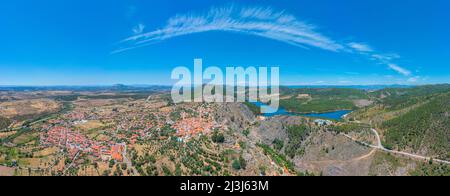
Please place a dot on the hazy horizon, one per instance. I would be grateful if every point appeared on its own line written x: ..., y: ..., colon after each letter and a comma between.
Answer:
x: 170, y: 85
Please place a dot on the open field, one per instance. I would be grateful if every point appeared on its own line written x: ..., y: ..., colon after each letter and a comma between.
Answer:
x: 28, y: 107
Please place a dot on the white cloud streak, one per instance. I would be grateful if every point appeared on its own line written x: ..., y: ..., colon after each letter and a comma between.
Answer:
x: 263, y: 22
x: 256, y: 21
x: 399, y: 69
x: 385, y: 58
x: 360, y: 47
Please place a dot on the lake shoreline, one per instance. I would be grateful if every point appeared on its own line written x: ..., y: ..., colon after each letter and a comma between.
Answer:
x: 325, y: 112
x: 333, y: 115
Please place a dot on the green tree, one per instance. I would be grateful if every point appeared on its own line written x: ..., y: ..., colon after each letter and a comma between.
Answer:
x: 218, y: 137
x: 111, y: 163
x: 236, y: 165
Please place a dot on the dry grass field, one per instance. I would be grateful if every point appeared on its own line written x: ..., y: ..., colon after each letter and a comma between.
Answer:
x: 88, y: 125
x: 28, y: 107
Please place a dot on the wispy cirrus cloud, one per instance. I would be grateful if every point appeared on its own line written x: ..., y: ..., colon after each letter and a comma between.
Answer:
x: 399, y: 69
x: 385, y: 57
x: 257, y: 21
x: 360, y: 47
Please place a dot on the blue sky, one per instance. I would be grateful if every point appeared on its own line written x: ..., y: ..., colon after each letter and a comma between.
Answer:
x: 314, y: 42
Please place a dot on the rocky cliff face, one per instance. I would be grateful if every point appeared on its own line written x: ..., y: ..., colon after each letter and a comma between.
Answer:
x: 235, y: 115
x: 324, y: 152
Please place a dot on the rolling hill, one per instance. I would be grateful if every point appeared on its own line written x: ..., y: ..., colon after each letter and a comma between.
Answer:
x: 412, y: 119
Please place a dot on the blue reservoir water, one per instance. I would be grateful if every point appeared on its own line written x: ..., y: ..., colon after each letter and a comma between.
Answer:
x: 336, y: 115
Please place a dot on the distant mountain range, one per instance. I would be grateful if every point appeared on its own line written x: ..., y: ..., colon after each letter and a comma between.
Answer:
x: 361, y: 87
x: 165, y: 87
x: 116, y: 87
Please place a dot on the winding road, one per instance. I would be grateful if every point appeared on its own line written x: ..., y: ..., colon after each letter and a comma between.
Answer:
x: 380, y: 146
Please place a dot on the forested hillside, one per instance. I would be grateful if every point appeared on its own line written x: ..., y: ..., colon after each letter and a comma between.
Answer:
x: 425, y: 129
x: 306, y: 100
x: 399, y: 98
